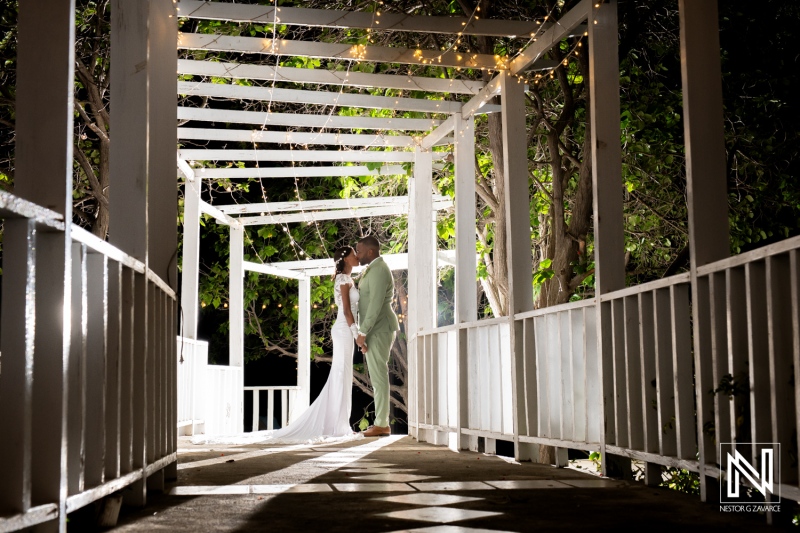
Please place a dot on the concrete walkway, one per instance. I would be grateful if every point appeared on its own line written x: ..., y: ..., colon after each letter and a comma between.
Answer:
x: 396, y: 484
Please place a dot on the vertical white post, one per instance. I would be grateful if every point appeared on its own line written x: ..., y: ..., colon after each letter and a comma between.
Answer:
x: 421, y: 271
x: 236, y: 297
x: 607, y: 190
x: 518, y: 250
x: 706, y: 191
x: 190, y: 272
x: 466, y: 308
x: 33, y: 385
x: 303, y: 396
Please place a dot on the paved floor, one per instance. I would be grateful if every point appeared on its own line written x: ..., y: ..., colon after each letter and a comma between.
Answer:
x: 396, y: 484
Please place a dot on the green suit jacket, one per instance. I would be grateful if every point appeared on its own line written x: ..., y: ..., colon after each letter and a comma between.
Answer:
x: 376, y: 291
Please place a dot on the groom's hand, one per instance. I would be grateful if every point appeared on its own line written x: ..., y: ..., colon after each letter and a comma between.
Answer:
x: 361, y: 342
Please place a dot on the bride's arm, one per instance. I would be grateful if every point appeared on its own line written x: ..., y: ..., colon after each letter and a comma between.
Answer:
x: 348, y: 313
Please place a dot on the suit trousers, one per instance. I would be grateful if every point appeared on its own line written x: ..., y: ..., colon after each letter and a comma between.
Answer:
x: 379, y: 346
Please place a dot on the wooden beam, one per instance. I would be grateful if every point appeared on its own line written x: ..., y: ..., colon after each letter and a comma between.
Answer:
x: 337, y: 214
x: 294, y: 16
x: 295, y: 96
x: 352, y: 52
x: 298, y: 172
x: 327, y: 77
x: 236, y: 297
x: 272, y: 270
x: 298, y: 120
x: 218, y: 215
x: 436, y: 137
x: 551, y: 37
x: 481, y: 99
x: 305, y: 138
x: 338, y: 203
x: 354, y: 156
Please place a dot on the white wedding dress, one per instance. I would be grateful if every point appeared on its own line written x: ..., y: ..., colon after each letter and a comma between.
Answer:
x: 326, y: 420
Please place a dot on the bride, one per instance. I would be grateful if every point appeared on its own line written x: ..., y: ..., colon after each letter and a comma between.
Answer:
x: 328, y: 418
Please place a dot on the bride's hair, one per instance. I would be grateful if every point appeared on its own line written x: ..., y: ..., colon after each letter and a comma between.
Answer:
x: 339, y: 256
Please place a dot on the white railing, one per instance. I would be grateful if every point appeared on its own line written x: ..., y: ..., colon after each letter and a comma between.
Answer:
x: 726, y: 346
x: 209, y: 396
x: 288, y: 405
x: 112, y: 372
x: 192, y: 359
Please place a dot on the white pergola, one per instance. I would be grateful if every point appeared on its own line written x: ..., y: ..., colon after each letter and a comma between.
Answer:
x: 390, y: 141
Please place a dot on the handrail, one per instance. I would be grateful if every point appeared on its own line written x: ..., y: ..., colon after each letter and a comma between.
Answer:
x: 14, y: 206
x: 662, y: 283
x: 569, y: 306
x: 747, y: 257
x: 464, y: 325
x: 274, y: 387
x: 97, y: 244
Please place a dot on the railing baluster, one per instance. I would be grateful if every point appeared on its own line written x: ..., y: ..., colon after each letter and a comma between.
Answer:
x: 665, y: 386
x: 16, y: 379
x: 565, y: 376
x: 682, y: 362
x: 76, y: 373
x: 284, y: 408
x: 256, y: 397
x: 113, y: 370
x: 620, y: 381
x: 96, y: 376
x: 719, y: 361
x: 756, y: 288
x: 780, y: 326
x: 648, y: 379
x: 633, y: 367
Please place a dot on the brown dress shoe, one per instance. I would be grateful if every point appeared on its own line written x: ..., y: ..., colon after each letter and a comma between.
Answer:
x: 377, y: 431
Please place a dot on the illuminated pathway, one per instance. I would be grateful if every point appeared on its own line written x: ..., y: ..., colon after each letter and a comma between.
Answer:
x: 395, y: 484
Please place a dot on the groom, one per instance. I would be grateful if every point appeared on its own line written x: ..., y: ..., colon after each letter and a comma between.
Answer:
x: 377, y: 327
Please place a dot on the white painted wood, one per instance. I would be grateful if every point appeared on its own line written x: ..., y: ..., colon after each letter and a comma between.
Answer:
x: 466, y: 307
x: 326, y: 156
x: 647, y: 349
x: 339, y: 203
x: 633, y: 371
x: 421, y: 245
x: 337, y: 214
x: 96, y: 361
x: 304, y: 138
x: 780, y: 247
x: 236, y: 297
x: 437, y: 136
x: 256, y: 397
x: 327, y: 77
x: 190, y: 271
x: 354, y: 19
x: 303, y: 396
x: 44, y: 118
x: 299, y: 96
x: 16, y: 379
x: 329, y: 121
x: 480, y: 100
x: 113, y: 378
x: 299, y: 172
x: 272, y: 270
x: 218, y: 215
x: 551, y: 37
x: 341, y: 51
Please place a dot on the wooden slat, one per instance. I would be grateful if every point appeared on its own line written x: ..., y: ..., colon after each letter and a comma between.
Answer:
x: 220, y: 217
x: 299, y: 120
x: 337, y: 214
x: 780, y: 329
x: 113, y: 375
x: 665, y: 382
x: 648, y: 380
x: 339, y: 203
x: 737, y: 333
x: 703, y: 368
x: 682, y: 363
x: 758, y: 355
x: 633, y: 370
x: 299, y: 96
x: 126, y: 370
x: 300, y: 172
x: 327, y: 156
x: 436, y: 136
x: 550, y: 38
x: 76, y: 373
x: 719, y: 359
x: 327, y: 77
x: 304, y: 138
x: 466, y: 306
x: 355, y: 19
x: 351, y: 52
x: 620, y: 382
x: 16, y: 379
x: 96, y: 374
x: 794, y: 286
